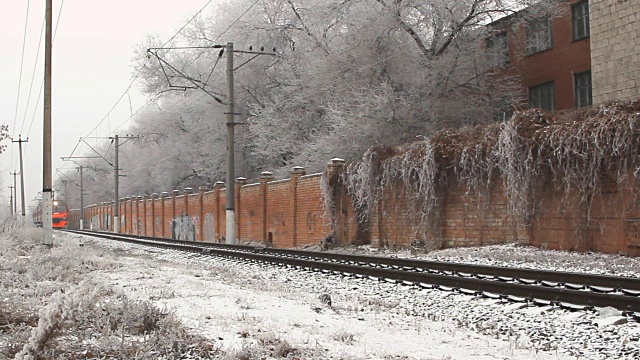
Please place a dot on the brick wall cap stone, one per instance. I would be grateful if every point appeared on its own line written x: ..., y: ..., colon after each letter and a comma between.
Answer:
x: 219, y: 183
x: 203, y: 188
x: 337, y: 161
x: 266, y: 174
x: 241, y: 180
x: 176, y: 192
x: 297, y: 170
x: 188, y: 190
x: 164, y: 194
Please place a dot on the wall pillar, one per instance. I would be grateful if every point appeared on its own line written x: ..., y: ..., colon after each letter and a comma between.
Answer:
x: 144, y: 215
x: 174, y: 194
x: 337, y: 213
x: 128, y: 215
x: 163, y: 223
x: 238, y: 188
x: 217, y: 189
x: 265, y: 178
x: 138, y: 199
x: 187, y: 191
x: 201, y: 213
x: 110, y: 212
x: 154, y: 196
x: 295, y: 173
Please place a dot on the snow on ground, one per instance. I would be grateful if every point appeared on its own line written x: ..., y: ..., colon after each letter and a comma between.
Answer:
x: 243, y: 305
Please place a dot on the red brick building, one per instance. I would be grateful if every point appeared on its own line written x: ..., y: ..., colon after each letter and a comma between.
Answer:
x: 550, y: 54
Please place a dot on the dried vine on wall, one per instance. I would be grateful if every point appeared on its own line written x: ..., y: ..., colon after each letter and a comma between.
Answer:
x: 573, y: 150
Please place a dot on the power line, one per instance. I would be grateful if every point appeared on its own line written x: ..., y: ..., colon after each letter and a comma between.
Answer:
x: 33, y: 76
x: 142, y: 67
x: 187, y: 23
x: 236, y: 20
x: 24, y: 42
x: 55, y: 32
x: 178, y: 103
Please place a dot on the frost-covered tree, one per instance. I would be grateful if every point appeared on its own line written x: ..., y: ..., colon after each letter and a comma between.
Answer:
x: 347, y: 75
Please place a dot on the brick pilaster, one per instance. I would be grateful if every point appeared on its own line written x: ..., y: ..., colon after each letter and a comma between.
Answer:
x: 295, y: 173
x: 265, y: 178
x: 217, y: 189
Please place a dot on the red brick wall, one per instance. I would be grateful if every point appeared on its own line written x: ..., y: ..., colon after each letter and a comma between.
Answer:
x: 209, y: 204
x: 221, y: 213
x: 291, y: 210
x: 312, y: 225
x: 610, y: 227
x: 249, y: 214
x: 279, y: 217
x: 168, y: 216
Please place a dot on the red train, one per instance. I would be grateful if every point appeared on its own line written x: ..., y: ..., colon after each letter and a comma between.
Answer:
x: 58, y: 216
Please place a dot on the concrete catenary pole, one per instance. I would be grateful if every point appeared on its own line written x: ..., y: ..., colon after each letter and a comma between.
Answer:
x: 116, y: 204
x: 81, y: 200
x: 47, y: 186
x: 231, y: 215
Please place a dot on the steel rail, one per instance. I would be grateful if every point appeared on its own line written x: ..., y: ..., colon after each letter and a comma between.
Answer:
x: 554, y: 296
x: 498, y: 272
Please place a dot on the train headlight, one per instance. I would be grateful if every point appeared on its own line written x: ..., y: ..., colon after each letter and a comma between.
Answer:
x: 55, y: 203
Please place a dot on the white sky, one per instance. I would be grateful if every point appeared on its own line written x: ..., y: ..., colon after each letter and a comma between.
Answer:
x: 92, y: 67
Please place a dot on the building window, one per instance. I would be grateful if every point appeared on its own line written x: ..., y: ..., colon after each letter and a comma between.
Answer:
x: 583, y: 89
x: 498, y: 50
x: 539, y: 37
x: 580, y: 19
x: 542, y: 96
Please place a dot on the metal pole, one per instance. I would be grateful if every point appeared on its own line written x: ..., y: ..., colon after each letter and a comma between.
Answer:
x: 81, y: 201
x: 20, y: 141
x: 116, y: 210
x: 231, y: 216
x: 47, y: 186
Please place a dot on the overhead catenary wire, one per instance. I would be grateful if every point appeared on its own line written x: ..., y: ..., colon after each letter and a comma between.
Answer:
x: 307, y: 94
x: 126, y: 92
x: 33, y: 76
x: 24, y: 42
x: 149, y: 102
x: 137, y: 75
x: 55, y: 32
x: 235, y: 21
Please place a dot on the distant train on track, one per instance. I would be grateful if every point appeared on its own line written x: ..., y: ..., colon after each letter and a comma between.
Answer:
x: 58, y: 216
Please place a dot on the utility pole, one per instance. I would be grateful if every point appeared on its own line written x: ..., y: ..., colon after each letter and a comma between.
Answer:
x: 47, y: 185
x: 11, y: 200
x: 81, y: 200
x: 116, y: 201
x: 231, y: 213
x: 20, y: 141
x: 15, y: 192
x: 230, y: 201
x: 116, y: 167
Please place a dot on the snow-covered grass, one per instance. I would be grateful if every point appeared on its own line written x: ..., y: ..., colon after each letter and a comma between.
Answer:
x: 51, y: 308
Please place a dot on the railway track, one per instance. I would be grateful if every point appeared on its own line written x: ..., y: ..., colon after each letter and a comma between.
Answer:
x: 564, y: 289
